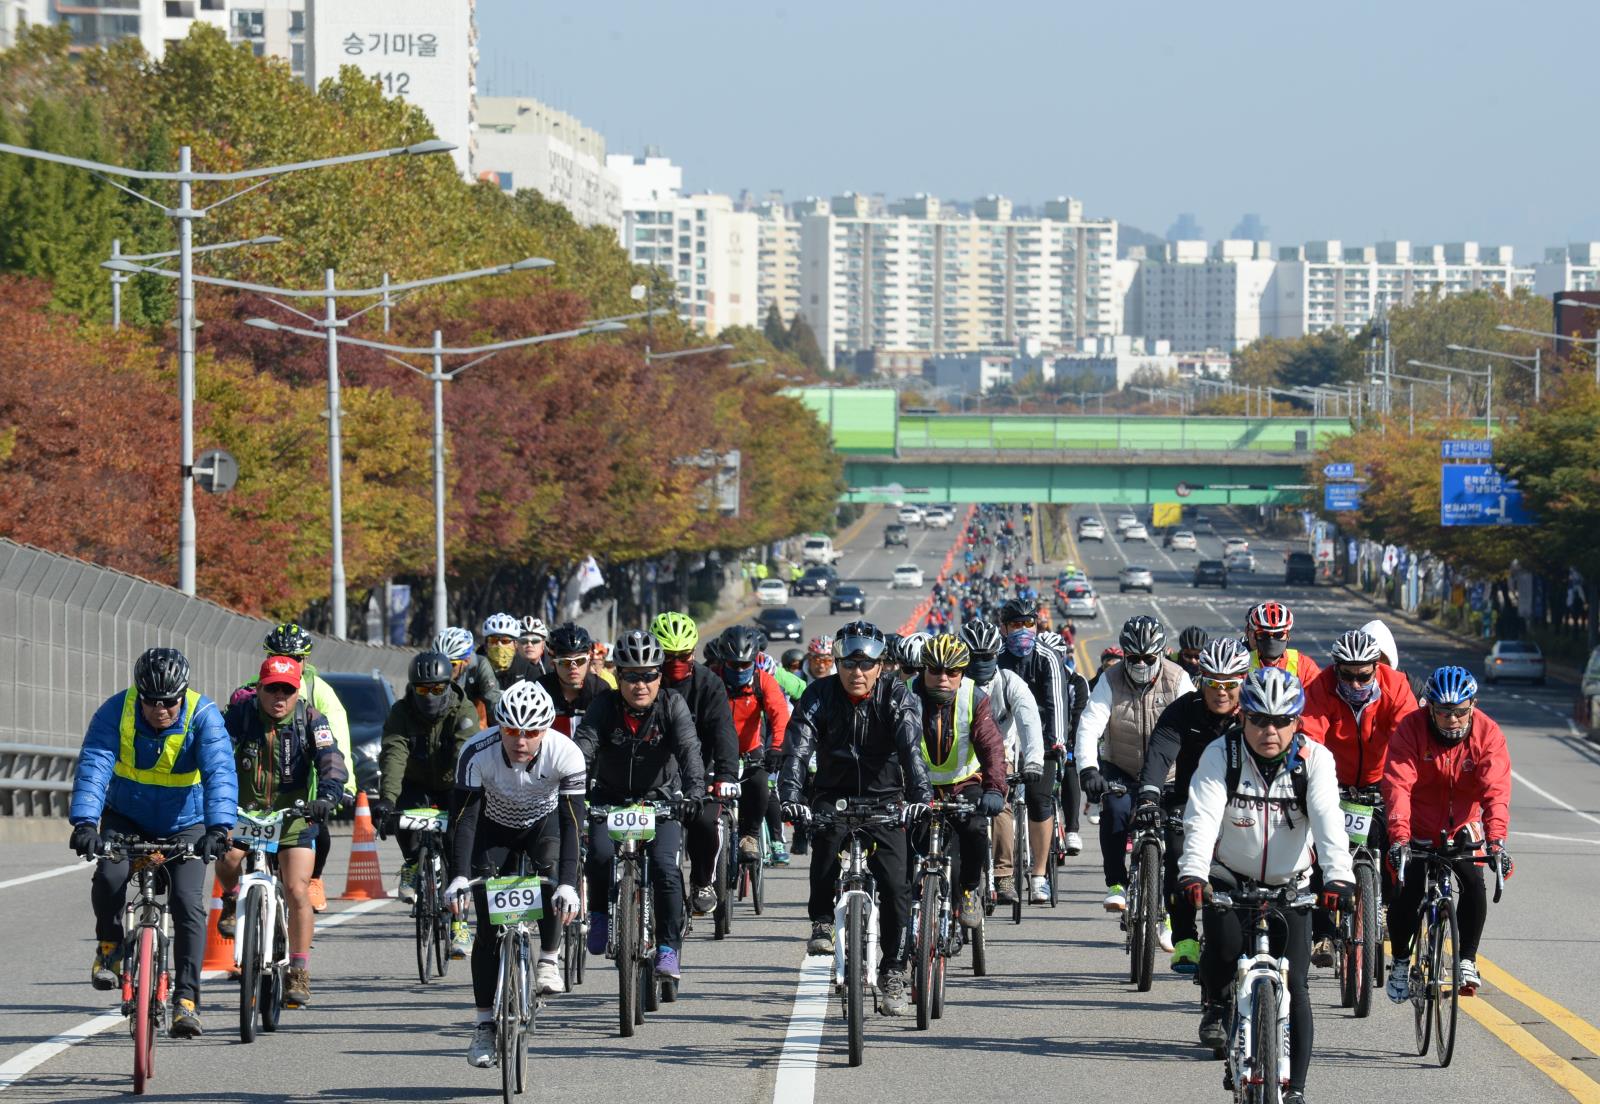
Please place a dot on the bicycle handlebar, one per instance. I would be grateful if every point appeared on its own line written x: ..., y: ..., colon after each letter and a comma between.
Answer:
x: 664, y: 810
x: 1255, y: 896
x: 117, y: 846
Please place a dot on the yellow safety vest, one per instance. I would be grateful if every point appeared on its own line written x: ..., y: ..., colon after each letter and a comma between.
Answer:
x: 962, y: 762
x: 160, y: 774
x: 1291, y: 661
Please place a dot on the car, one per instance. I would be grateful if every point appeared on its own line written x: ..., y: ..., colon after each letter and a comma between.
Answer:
x: 1184, y: 540
x: 1071, y: 575
x: 907, y: 575
x: 1136, y: 577
x: 1235, y: 544
x: 781, y: 623
x: 1081, y: 602
x: 1136, y: 531
x: 937, y: 517
x: 1210, y: 573
x: 1091, y: 529
x: 894, y: 533
x: 847, y: 596
x: 1299, y: 567
x: 771, y: 592
x: 1125, y: 520
x: 1519, y: 659
x: 911, y: 515
x: 818, y: 579
x: 367, y: 699
x: 1244, y: 560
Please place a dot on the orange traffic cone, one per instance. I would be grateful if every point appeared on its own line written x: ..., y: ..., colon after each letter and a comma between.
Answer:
x: 364, y: 882
x: 219, y: 948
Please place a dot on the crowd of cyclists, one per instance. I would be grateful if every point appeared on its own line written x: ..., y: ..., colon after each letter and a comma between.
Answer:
x: 1238, y: 747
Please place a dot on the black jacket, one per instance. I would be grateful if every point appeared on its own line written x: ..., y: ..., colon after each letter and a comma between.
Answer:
x: 707, y: 700
x: 1184, y: 730
x: 520, y: 669
x: 661, y: 761
x: 421, y: 751
x: 1046, y: 676
x: 569, y: 713
x: 868, y: 749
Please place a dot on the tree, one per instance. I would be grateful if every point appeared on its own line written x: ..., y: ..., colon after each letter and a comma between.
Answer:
x: 773, y: 328
x: 803, y: 344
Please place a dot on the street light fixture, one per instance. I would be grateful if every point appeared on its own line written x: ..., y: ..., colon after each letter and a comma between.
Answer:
x: 1595, y: 341
x: 120, y: 277
x: 185, y: 213
x: 651, y: 358
x: 1520, y: 361
x: 1488, y: 391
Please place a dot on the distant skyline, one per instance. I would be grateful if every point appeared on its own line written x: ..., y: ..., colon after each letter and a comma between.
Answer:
x: 1428, y: 121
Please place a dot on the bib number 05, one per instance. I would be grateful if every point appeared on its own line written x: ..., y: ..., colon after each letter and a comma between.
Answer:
x: 1357, y: 821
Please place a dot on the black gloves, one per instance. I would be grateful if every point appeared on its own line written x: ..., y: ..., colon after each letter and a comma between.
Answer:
x: 382, y: 814
x: 797, y: 812
x: 773, y: 762
x: 1031, y: 774
x: 1147, y: 815
x: 213, y: 844
x: 1338, y: 896
x: 1094, y: 786
x: 991, y: 803
x: 915, y: 812
x: 85, y: 840
x: 1499, y: 854
x: 1399, y: 856
x: 320, y: 810
x: 1195, y: 889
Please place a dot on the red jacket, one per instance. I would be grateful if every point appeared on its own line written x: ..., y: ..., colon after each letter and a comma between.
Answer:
x: 1430, y: 788
x: 761, y: 697
x: 1359, y: 748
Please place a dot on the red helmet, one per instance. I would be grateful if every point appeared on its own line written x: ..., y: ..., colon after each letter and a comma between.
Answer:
x: 1269, y: 617
x: 820, y: 646
x: 1113, y: 652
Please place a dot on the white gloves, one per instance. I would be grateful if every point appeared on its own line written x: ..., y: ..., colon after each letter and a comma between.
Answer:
x: 726, y: 791
x: 565, y: 901
x: 458, y: 894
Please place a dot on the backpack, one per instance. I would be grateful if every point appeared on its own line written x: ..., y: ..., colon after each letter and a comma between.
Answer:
x: 1234, y: 751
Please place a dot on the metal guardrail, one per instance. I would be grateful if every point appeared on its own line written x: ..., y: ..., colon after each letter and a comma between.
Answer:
x: 35, y: 780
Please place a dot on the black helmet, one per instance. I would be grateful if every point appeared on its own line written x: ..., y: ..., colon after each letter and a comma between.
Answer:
x: 161, y: 673
x: 288, y: 639
x: 427, y: 667
x: 858, y: 638
x: 570, y: 639
x: 1192, y: 639
x: 792, y: 657
x: 1016, y: 609
x: 740, y: 644
x: 1142, y: 635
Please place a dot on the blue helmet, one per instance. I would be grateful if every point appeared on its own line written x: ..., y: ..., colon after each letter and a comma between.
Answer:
x: 1274, y: 691
x: 1451, y: 686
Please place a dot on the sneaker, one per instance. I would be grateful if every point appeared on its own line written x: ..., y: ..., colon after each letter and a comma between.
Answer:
x: 667, y: 963
x: 599, y: 932
x: 779, y: 856
x: 1116, y: 900
x: 1074, y: 843
x: 1470, y: 982
x: 1041, y: 890
x: 1399, y: 987
x: 821, y: 941
x: 1005, y: 895
x: 1164, y: 936
x: 228, y: 918
x: 1293, y: 1096
x: 1091, y: 810
x: 460, y: 939
x: 185, y: 1020
x: 1186, y: 956
x: 749, y: 847
x: 408, y: 882
x: 318, y: 895
x: 297, y: 994
x: 971, y: 909
x: 892, y: 993
x: 547, y: 977
x: 1322, y: 952
x: 106, y: 973
x: 481, y: 1051
x: 1213, y: 1033
x: 705, y: 900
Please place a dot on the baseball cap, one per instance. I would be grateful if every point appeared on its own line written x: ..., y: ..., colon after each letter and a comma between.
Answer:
x: 280, y: 669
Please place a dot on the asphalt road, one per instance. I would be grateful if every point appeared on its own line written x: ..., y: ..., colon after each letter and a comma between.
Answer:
x: 1055, y: 1019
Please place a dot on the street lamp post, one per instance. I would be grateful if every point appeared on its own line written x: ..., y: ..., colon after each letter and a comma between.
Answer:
x: 1595, y: 341
x: 185, y: 213
x: 1488, y: 390
x: 120, y: 275
x: 1519, y: 361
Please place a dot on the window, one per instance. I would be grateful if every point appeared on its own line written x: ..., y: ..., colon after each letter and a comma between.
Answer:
x: 297, y: 58
x: 250, y: 23
x: 297, y: 22
x: 180, y: 9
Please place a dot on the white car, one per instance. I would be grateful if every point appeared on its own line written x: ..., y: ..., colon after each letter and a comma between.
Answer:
x: 1240, y: 560
x: 936, y: 517
x: 772, y: 592
x: 906, y: 575
x: 1125, y: 520
x: 1136, y: 531
x: 911, y: 515
x: 1091, y: 529
x: 1514, y: 659
x: 1235, y: 544
x: 1136, y: 577
x: 1184, y: 541
x: 1081, y: 602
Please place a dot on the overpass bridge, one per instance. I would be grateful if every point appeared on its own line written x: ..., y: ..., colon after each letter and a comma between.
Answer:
x: 1064, y: 458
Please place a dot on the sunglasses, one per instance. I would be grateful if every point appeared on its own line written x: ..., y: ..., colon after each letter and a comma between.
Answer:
x: 501, y: 640
x: 1270, y: 720
x: 1135, y: 657
x: 1280, y: 634
x: 742, y: 665
x: 638, y: 675
x: 431, y: 689
x: 572, y: 661
x: 1024, y: 622
x: 1450, y: 711
x: 521, y: 733
x: 1356, y: 678
x: 946, y: 672
x: 279, y: 689
x: 679, y: 655
x: 858, y: 663
x: 160, y: 703
x: 1221, y: 683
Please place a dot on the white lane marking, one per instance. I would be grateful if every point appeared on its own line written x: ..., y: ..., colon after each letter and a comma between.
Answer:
x: 1553, y: 799
x: 1557, y: 839
x: 796, y: 1082
x: 54, y: 872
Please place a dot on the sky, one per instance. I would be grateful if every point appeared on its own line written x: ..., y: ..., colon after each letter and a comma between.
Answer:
x: 1419, y: 120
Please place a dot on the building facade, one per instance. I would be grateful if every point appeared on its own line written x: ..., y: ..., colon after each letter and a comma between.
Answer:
x: 1196, y: 297
x: 778, y: 255
x: 275, y: 28
x: 1574, y: 267
x: 522, y: 143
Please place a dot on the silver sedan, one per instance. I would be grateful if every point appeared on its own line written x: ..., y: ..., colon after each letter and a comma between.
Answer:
x: 1136, y: 577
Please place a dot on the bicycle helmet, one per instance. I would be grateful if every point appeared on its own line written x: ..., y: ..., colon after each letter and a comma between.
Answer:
x: 501, y: 624
x: 525, y: 705
x: 1450, y: 686
x: 1224, y: 657
x: 637, y: 648
x: 1356, y: 646
x: 288, y: 639
x: 676, y: 632
x: 534, y: 629
x: 911, y: 648
x: 1112, y: 652
x: 1272, y: 690
x: 1192, y: 639
x: 820, y: 645
x: 1142, y: 635
x: 793, y: 657
x: 947, y: 651
x: 1052, y: 639
x: 1015, y: 609
x: 571, y: 639
x: 428, y: 667
x: 738, y: 645
x: 859, y: 638
x: 983, y: 637
x: 161, y: 673
x: 1270, y: 617
x: 454, y: 642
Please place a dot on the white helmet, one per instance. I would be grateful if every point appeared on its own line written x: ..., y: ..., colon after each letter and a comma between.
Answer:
x: 454, y: 642
x: 525, y: 705
x: 533, y: 629
x: 1356, y: 646
x: 502, y: 624
x: 911, y: 646
x: 1224, y: 656
x: 1051, y: 639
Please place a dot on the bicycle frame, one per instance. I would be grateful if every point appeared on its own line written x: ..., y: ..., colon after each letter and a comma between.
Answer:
x: 1254, y: 972
x: 272, y: 917
x: 855, y: 882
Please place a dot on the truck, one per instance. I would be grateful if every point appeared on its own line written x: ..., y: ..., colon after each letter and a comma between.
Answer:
x: 819, y: 549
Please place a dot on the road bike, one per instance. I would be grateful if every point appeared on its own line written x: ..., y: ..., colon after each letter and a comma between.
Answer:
x: 631, y: 941
x: 1358, y: 936
x: 751, y: 877
x: 1021, y: 848
x: 724, y: 878
x: 1146, y: 911
x: 575, y: 938
x: 1257, y: 1050
x: 936, y: 934
x: 430, y: 910
x: 261, y: 942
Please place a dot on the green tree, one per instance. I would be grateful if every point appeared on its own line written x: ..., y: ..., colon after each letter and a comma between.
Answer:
x: 774, y: 329
x: 803, y: 344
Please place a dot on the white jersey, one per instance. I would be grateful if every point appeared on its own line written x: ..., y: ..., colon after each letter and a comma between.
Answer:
x: 516, y: 795
x: 1017, y: 715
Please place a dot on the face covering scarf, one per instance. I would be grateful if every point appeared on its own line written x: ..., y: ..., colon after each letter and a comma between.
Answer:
x: 1020, y: 642
x: 501, y: 655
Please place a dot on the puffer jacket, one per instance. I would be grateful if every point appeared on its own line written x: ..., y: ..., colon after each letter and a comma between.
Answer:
x: 421, y: 750
x: 1117, y: 723
x: 1431, y: 788
x: 159, y: 810
x: 1360, y: 745
x: 870, y: 748
x: 655, y: 757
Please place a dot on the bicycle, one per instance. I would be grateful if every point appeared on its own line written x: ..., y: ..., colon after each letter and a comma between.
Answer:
x: 631, y: 940
x: 936, y: 934
x: 1021, y: 847
x: 751, y: 877
x: 1434, y: 997
x: 1141, y: 921
x: 261, y: 947
x: 986, y: 892
x: 146, y: 943
x: 855, y: 910
x: 574, y: 940
x: 1358, y: 939
x: 430, y: 910
x: 725, y: 876
x: 1257, y: 1051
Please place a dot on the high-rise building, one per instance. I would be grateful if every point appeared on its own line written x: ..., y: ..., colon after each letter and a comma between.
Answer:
x: 522, y: 143
x: 778, y: 249
x: 271, y: 27
x: 16, y: 14
x: 1574, y: 267
x: 1197, y: 297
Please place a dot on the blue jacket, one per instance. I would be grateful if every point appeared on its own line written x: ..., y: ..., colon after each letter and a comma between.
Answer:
x: 202, y: 747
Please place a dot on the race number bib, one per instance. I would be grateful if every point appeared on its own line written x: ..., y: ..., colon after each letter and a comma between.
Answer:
x: 637, y: 822
x: 258, y: 830
x: 513, y: 900
x: 423, y: 820
x: 1357, y: 821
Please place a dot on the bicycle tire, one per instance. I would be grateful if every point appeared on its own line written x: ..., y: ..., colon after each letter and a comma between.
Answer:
x: 1445, y: 1002
x: 1264, y: 1042
x: 855, y: 925
x: 1422, y: 981
x: 1052, y: 856
x: 1150, y: 907
x: 1346, y: 963
x: 1021, y: 859
x: 443, y: 920
x: 980, y: 949
x: 249, y: 966
x: 626, y: 933
x: 527, y: 1007
x: 758, y: 886
x: 506, y: 1017
x: 940, y: 960
x: 1367, y: 939
x: 424, y: 920
x: 650, y: 999
x: 144, y: 1027
x: 722, y: 881
x: 272, y: 983
x: 926, y: 914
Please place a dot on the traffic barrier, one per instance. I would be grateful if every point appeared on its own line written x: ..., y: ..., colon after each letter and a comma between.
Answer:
x: 219, y: 948
x: 919, y: 613
x: 364, y: 882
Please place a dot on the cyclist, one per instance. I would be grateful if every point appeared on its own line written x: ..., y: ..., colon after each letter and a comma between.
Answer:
x: 470, y: 671
x: 501, y: 633
x: 155, y: 764
x: 1267, y: 629
x: 283, y: 751
x: 792, y: 662
x: 1122, y: 711
x: 603, y: 665
x: 1015, y: 712
x: 966, y: 759
x: 789, y: 682
x: 1110, y: 656
x: 422, y: 738
x: 760, y: 713
x: 571, y: 683
x: 1077, y: 697
x: 1040, y: 669
x: 908, y: 654
x: 1187, y: 655
x: 707, y: 700
x: 1260, y: 798
x: 1351, y: 709
x: 867, y: 734
x: 1449, y: 771
x: 531, y: 645
x: 1183, y: 731
x: 640, y: 744
x: 519, y: 786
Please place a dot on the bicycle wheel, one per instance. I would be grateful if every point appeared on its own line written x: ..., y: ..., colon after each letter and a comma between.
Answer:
x: 626, y: 934
x: 1346, y: 966
x: 1423, y: 980
x: 1265, y: 1038
x: 758, y: 886
x: 855, y: 928
x: 1149, y: 920
x: 1448, y: 960
x: 443, y: 918
x: 977, y: 936
x: 927, y: 948
x: 722, y: 880
x: 272, y: 982
x: 249, y: 966
x: 570, y: 938
x: 1022, y: 861
x: 144, y: 1013
x: 941, y: 959
x: 424, y: 923
x: 507, y: 1016
x: 1053, y: 855
x: 1365, y: 934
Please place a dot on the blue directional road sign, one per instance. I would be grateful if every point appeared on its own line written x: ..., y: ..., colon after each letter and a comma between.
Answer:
x: 1479, y: 494
x: 1475, y: 449
x: 1339, y: 471
x: 1342, y: 496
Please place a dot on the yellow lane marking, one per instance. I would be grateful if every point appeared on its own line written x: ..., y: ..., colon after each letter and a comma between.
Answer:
x: 1541, y: 1057
x: 1583, y: 1032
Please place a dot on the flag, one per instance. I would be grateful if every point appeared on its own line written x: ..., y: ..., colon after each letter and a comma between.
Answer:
x: 589, y: 576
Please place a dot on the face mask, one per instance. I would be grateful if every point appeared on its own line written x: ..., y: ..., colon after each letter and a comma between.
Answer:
x: 1359, y: 695
x: 1020, y: 642
x: 501, y: 655
x: 431, y: 705
x: 1271, y: 648
x: 939, y: 695
x: 1193, y: 667
x: 1139, y: 673
x: 676, y: 670
x: 735, y: 679
x: 983, y: 670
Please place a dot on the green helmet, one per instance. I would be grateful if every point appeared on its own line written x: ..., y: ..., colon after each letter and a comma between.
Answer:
x: 676, y: 632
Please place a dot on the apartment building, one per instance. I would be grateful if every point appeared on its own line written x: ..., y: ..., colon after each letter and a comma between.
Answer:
x: 778, y: 255
x: 522, y: 143
x: 1574, y: 267
x: 271, y: 27
x: 1198, y: 297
